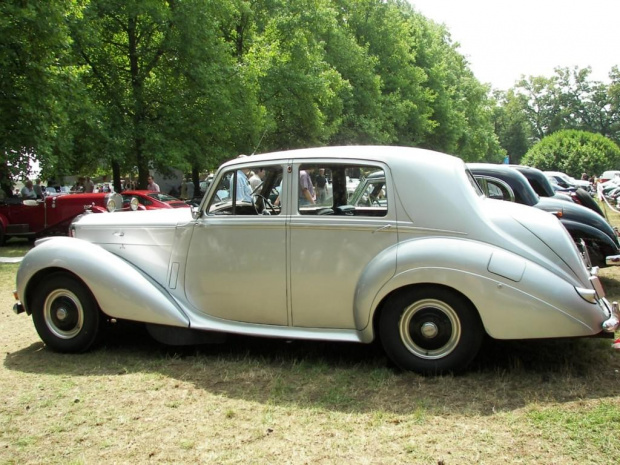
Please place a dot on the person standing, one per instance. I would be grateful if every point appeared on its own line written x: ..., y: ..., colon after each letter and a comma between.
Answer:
x: 89, y: 185
x: 257, y: 178
x: 27, y: 191
x: 152, y: 186
x: 38, y: 190
x: 244, y: 191
x: 189, y: 188
x: 321, y: 186
x: 306, y: 189
x: 183, y: 189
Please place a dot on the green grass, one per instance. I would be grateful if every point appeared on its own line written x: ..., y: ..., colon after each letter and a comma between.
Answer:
x: 259, y: 401
x: 15, y: 247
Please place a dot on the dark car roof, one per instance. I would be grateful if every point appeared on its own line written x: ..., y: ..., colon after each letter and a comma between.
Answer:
x: 537, y: 179
x: 524, y: 193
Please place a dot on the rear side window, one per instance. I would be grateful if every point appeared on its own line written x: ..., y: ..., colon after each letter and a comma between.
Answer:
x: 342, y: 189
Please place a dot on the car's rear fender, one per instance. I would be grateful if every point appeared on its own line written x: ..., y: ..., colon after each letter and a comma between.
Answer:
x: 515, y: 297
x: 579, y: 230
x: 121, y: 290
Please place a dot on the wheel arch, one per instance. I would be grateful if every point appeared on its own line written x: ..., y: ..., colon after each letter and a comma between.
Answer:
x: 376, y: 317
x: 45, y: 274
x: 120, y: 289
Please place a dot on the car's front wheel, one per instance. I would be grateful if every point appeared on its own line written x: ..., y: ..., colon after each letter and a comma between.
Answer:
x: 430, y: 330
x: 66, y: 314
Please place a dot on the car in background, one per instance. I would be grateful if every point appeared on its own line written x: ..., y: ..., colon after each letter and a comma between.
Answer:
x: 543, y: 186
x: 149, y: 200
x: 568, y: 182
x: 609, y: 175
x: 52, y: 215
x: 592, y: 234
x: 428, y: 269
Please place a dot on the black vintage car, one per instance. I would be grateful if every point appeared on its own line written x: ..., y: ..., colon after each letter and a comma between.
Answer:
x: 542, y: 186
x: 590, y: 231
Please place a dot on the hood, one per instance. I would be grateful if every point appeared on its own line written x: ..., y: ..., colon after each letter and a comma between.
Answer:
x: 141, y: 218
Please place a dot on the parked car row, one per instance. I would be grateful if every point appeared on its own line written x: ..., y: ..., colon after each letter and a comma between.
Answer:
x: 589, y: 229
x: 429, y: 269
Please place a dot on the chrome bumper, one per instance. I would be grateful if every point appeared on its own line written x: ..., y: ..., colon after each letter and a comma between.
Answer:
x: 612, y: 260
x: 611, y: 324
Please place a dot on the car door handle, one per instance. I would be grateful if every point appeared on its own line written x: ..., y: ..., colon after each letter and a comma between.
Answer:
x: 119, y: 233
x: 383, y: 228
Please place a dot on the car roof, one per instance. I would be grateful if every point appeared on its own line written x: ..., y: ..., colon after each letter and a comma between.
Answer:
x: 524, y: 192
x: 393, y: 155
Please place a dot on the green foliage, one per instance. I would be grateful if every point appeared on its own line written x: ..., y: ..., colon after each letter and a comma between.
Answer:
x: 511, y: 125
x: 33, y: 48
x: 539, y: 106
x: 574, y: 152
x: 143, y: 84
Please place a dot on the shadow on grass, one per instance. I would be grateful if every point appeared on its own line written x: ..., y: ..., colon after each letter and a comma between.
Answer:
x: 346, y: 376
x: 15, y: 247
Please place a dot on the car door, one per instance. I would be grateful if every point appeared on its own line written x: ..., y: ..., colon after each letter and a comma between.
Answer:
x: 25, y: 216
x: 236, y: 265
x: 331, y: 244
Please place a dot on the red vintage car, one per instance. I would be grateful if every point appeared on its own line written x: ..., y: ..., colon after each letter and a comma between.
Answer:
x: 52, y: 215
x: 149, y: 200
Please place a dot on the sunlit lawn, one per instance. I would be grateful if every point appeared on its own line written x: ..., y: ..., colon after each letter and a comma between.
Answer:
x: 261, y: 401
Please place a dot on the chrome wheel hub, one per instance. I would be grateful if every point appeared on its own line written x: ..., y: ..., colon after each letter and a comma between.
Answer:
x: 63, y: 313
x: 430, y: 329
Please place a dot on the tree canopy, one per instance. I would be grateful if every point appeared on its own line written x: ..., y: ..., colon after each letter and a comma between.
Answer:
x: 142, y: 84
x: 540, y: 106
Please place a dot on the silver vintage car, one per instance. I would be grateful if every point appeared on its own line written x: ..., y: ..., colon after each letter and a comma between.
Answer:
x: 427, y: 267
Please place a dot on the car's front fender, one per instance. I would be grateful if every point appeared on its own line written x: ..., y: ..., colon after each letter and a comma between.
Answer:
x: 121, y: 290
x: 515, y: 297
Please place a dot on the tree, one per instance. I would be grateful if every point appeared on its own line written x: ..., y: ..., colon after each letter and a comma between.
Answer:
x: 511, y: 125
x: 574, y: 152
x: 34, y: 45
x: 567, y: 100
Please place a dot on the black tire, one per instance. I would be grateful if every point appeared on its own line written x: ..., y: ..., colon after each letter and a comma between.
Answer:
x: 587, y: 201
x: 597, y: 256
x: 66, y: 314
x: 2, y: 236
x: 430, y: 330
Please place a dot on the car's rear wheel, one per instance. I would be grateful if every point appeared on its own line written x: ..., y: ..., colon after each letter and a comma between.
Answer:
x: 430, y: 330
x: 2, y: 237
x: 66, y: 314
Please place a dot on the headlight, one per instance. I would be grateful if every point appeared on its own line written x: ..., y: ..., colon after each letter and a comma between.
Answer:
x: 133, y: 203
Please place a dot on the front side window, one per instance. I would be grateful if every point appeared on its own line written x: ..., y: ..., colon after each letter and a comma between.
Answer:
x: 251, y: 190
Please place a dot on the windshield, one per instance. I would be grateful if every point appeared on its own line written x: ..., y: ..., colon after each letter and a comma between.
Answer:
x: 162, y: 197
